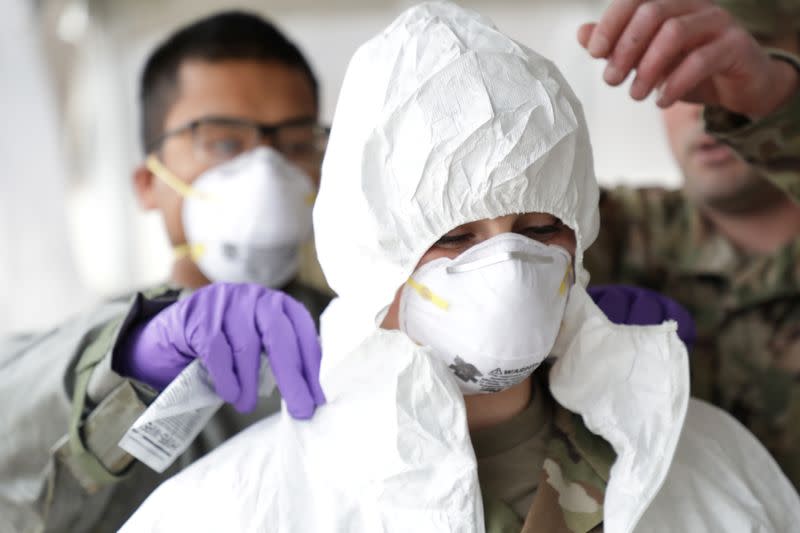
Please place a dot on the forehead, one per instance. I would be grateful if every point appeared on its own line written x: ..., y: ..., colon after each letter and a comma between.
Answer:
x: 507, y: 222
x: 256, y: 90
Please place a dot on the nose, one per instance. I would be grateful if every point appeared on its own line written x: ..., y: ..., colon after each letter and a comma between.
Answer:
x: 267, y: 140
x: 504, y: 224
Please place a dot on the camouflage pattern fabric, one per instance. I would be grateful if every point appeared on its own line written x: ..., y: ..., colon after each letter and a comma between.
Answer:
x: 573, y: 480
x: 772, y: 144
x: 746, y: 306
x: 765, y: 17
x: 64, y: 504
x: 569, y: 496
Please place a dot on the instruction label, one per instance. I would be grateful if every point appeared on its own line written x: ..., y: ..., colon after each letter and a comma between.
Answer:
x: 170, y: 424
x: 499, y: 379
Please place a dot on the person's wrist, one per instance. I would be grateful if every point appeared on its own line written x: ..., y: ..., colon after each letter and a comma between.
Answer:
x: 127, y: 359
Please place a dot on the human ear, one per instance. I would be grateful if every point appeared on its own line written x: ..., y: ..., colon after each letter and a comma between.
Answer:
x: 144, y: 184
x: 392, y: 318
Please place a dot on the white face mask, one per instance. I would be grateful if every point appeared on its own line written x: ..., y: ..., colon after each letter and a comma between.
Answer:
x: 246, y: 219
x: 493, y: 312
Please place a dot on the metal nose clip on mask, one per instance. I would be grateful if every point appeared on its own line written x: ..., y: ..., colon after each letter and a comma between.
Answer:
x: 492, y: 313
x: 245, y: 219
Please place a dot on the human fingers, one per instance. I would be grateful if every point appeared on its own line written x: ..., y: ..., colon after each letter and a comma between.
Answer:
x: 202, y: 316
x: 699, y: 66
x: 217, y: 356
x: 585, y: 33
x: 279, y: 340
x: 239, y: 327
x: 308, y: 341
x: 638, y: 34
x: 611, y: 24
x: 612, y: 301
x: 619, y: 15
x: 646, y: 307
x: 677, y: 37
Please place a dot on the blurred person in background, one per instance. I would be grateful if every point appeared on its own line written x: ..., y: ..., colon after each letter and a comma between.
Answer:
x: 726, y: 246
x: 233, y: 146
x: 453, y: 260
x: 232, y: 152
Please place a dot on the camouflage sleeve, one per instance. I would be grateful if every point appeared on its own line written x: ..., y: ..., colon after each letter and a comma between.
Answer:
x: 771, y: 144
x: 41, y: 374
x: 639, y: 231
x: 104, y: 404
x: 604, y: 257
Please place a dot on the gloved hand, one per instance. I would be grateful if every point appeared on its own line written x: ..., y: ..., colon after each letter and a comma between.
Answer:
x: 624, y: 304
x: 227, y: 326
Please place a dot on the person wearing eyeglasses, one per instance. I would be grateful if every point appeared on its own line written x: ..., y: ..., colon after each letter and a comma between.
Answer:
x: 232, y: 152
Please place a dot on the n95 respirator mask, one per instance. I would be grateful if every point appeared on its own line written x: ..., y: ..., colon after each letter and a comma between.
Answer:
x: 492, y: 313
x: 246, y: 219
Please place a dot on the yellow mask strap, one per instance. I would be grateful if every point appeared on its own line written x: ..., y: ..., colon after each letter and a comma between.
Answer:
x: 567, y: 281
x: 193, y: 251
x: 428, y: 294
x: 164, y: 174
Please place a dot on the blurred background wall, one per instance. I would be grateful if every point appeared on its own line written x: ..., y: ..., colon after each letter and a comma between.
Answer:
x: 70, y: 231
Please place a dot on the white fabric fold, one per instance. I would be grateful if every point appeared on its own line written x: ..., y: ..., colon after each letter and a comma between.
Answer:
x: 391, y: 452
x: 442, y: 120
x: 631, y: 386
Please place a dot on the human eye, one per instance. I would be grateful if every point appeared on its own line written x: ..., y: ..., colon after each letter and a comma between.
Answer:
x: 453, y: 241
x: 298, y: 142
x: 543, y: 233
x: 299, y: 150
x: 226, y: 147
x: 221, y: 142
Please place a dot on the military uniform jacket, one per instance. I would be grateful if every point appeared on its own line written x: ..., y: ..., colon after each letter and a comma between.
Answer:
x: 65, y: 410
x: 391, y: 450
x: 746, y: 306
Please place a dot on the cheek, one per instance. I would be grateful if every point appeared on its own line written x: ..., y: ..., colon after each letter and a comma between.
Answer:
x: 679, y: 120
x: 315, y: 176
x: 567, y: 241
x: 436, y: 253
x: 170, y: 204
x: 180, y: 160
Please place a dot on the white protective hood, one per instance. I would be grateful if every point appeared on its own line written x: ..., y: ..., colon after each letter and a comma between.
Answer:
x: 443, y: 120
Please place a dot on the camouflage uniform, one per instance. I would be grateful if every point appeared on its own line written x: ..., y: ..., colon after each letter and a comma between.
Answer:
x: 765, y: 17
x: 747, y: 306
x: 572, y: 481
x: 576, y: 471
x: 62, y: 382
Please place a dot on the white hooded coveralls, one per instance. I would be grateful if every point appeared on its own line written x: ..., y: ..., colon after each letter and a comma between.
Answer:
x: 443, y: 120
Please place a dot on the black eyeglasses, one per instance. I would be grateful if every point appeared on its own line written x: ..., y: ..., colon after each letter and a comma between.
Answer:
x: 217, y: 139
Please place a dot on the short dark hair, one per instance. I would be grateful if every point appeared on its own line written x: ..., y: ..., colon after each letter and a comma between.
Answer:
x: 229, y: 35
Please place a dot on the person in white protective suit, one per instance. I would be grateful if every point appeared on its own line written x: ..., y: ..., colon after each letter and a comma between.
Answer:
x: 472, y: 384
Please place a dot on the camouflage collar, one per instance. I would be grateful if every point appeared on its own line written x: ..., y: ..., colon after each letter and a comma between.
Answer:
x: 750, y: 277
x: 573, y: 480
x: 572, y: 483
x: 706, y: 251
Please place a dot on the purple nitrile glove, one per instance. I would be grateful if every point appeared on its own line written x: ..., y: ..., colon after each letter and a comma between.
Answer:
x: 227, y: 326
x: 624, y: 304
